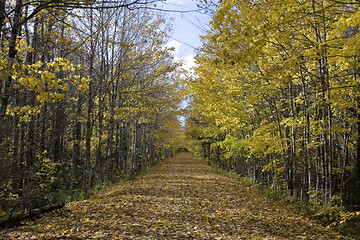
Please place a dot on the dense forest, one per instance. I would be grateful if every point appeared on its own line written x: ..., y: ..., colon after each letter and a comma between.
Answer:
x: 275, y: 96
x: 89, y: 93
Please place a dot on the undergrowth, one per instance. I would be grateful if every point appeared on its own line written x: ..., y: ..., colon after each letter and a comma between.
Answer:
x: 331, y: 215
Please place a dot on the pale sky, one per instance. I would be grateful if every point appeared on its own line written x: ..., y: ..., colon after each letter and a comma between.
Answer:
x: 188, y: 25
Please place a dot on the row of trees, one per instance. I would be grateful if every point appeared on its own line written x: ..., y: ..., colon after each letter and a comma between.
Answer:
x: 276, y: 96
x: 88, y: 93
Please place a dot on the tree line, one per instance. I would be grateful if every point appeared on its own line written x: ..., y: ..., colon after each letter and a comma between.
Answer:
x: 276, y: 97
x: 88, y: 93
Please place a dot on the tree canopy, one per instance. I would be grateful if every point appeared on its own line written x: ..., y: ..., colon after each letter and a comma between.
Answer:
x: 276, y: 96
x: 87, y: 88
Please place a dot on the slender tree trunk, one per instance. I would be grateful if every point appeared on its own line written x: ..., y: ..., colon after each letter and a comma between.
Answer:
x: 87, y: 170
x: 99, y: 158
x: 123, y: 146
x: 31, y: 146
x: 110, y: 141
x: 16, y: 149
x: 357, y: 160
x: 293, y: 143
x: 15, y: 31
x: 77, y: 136
x: 2, y: 15
x: 90, y: 103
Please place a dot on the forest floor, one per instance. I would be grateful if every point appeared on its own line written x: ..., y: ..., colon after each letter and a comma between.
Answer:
x: 182, y: 198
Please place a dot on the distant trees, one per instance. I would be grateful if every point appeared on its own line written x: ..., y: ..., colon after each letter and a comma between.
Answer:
x: 86, y: 88
x: 277, y: 96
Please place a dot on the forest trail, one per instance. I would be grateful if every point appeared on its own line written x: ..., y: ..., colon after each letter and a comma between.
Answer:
x: 181, y: 199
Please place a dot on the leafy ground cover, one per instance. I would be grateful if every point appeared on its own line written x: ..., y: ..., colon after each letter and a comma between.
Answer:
x: 183, y: 198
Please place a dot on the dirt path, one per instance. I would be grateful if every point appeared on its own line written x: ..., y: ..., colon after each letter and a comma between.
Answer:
x: 181, y: 199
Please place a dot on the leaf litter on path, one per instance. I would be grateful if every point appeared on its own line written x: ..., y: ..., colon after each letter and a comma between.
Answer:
x: 183, y: 198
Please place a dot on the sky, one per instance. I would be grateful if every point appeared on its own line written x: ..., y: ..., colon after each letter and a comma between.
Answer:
x: 188, y: 25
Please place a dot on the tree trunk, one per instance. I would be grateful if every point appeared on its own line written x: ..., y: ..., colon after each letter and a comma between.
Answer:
x: 15, y: 31
x: 2, y: 16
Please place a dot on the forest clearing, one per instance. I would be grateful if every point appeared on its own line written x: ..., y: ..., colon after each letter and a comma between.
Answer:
x: 183, y: 198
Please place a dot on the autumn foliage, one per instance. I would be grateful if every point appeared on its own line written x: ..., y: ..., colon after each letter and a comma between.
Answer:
x: 276, y: 96
x: 87, y: 88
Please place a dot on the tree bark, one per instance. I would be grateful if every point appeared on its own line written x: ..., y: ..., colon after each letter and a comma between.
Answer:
x: 15, y: 31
